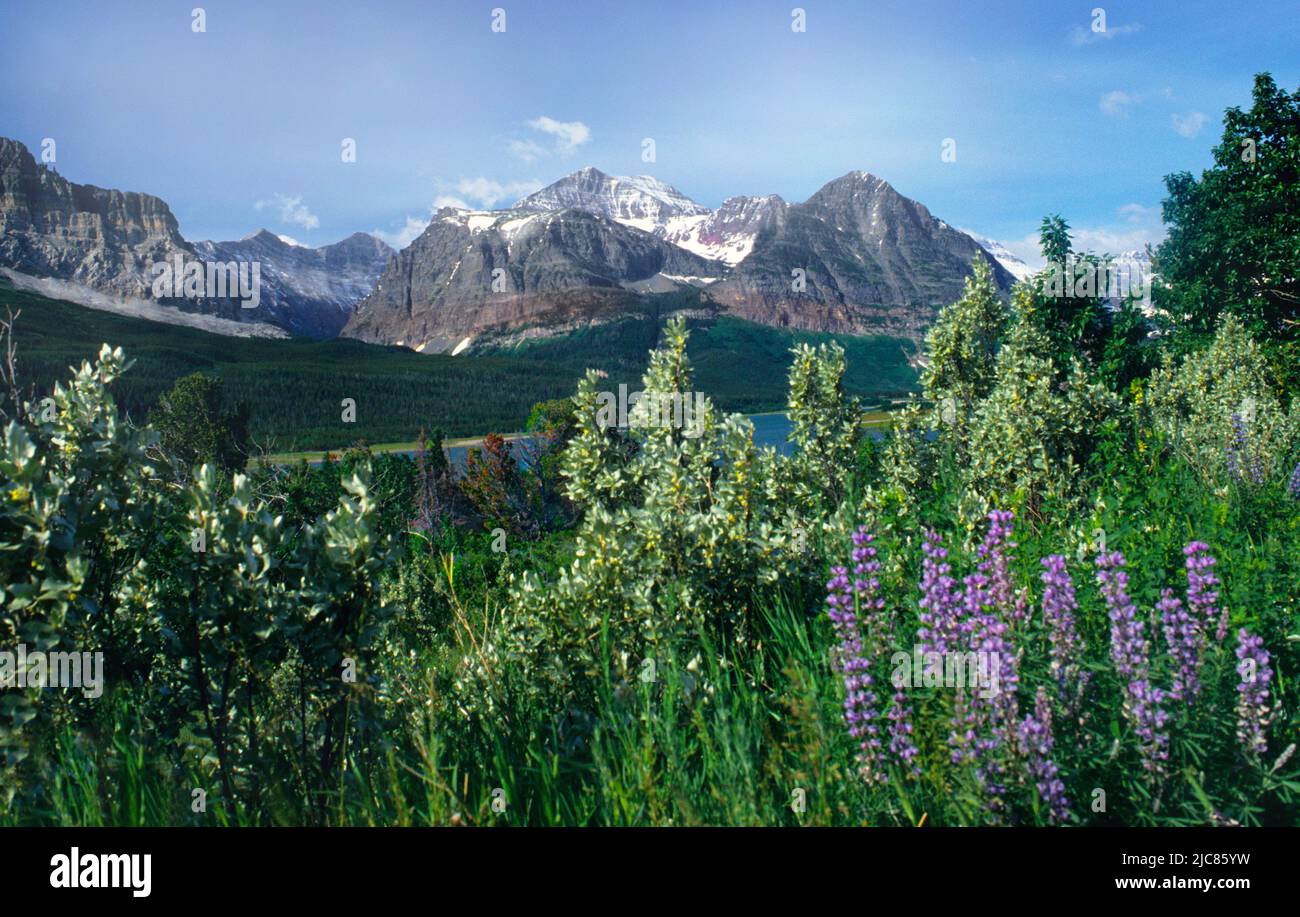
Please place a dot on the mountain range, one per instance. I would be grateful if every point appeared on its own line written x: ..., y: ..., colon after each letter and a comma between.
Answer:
x: 98, y: 247
x: 856, y: 257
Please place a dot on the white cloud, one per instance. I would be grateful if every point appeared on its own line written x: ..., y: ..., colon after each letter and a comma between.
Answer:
x: 1138, y: 214
x: 485, y: 192
x: 1190, y: 124
x: 527, y: 150
x: 1141, y: 226
x: 450, y: 200
x: 1116, y: 239
x: 292, y: 210
x: 569, y: 135
x: 1081, y: 36
x: 1117, y: 103
x: 404, y: 236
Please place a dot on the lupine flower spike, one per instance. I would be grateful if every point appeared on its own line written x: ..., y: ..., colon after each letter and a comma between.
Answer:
x: 1130, y: 651
x: 1253, y: 712
x: 855, y: 669
x: 1035, y: 734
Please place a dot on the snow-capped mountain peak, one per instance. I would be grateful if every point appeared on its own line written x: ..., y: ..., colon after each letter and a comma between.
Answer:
x: 638, y: 200
x: 1005, y: 257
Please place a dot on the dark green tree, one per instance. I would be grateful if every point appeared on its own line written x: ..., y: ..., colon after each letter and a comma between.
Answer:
x: 196, y: 424
x: 1054, y: 238
x: 1070, y: 298
x: 1234, y: 233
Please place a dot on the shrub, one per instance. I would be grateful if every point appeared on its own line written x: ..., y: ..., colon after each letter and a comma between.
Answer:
x: 677, y: 532
x: 76, y: 497
x: 1193, y: 403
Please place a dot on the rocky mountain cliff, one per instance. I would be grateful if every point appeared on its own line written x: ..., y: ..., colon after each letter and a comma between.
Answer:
x: 104, y: 239
x: 639, y: 200
x: 1016, y: 267
x: 100, y: 246
x: 307, y: 291
x: 472, y: 272
x: 870, y: 260
x: 856, y: 257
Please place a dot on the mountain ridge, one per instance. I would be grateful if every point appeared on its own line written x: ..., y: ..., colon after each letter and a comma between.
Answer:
x: 857, y: 257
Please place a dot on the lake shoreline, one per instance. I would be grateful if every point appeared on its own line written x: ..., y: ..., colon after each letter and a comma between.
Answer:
x: 455, y: 448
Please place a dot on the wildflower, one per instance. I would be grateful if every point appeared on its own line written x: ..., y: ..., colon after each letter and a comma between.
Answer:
x: 859, y: 696
x: 1293, y: 486
x: 990, y: 720
x: 855, y: 664
x: 1241, y: 464
x: 995, y: 564
x: 1059, y: 607
x: 982, y: 725
x: 1130, y: 652
x: 879, y: 627
x: 940, y: 623
x: 1201, y: 595
x: 901, y: 744
x: 1185, y: 639
x: 866, y: 586
x: 1253, y: 713
x: 1035, y: 734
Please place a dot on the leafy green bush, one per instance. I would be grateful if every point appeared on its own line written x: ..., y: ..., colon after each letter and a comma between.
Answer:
x: 678, y: 530
x: 1193, y: 402
x: 1005, y: 422
x: 77, y: 498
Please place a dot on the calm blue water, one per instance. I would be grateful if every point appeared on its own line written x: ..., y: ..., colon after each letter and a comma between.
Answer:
x: 769, y: 430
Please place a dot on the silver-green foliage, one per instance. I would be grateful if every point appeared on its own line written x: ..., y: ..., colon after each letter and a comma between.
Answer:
x: 196, y: 595
x: 1010, y: 423
x: 676, y: 532
x: 1192, y: 404
x: 75, y: 498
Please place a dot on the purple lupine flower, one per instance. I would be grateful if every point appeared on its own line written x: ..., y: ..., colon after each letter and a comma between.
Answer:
x: 1059, y: 607
x: 1201, y: 594
x: 994, y: 718
x: 901, y: 744
x: 866, y: 586
x: 1130, y: 652
x: 1035, y: 735
x: 939, y: 615
x: 855, y: 669
x: 1253, y: 713
x: 879, y: 627
x: 970, y: 714
x: 1293, y: 485
x: 1242, y: 465
x: 994, y: 553
x: 1185, y: 638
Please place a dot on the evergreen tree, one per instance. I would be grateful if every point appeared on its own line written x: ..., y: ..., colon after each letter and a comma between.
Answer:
x: 195, y: 424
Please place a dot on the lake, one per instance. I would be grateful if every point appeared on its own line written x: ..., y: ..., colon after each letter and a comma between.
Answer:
x: 771, y: 429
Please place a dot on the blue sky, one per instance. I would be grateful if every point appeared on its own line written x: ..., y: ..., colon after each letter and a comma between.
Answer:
x: 240, y: 126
